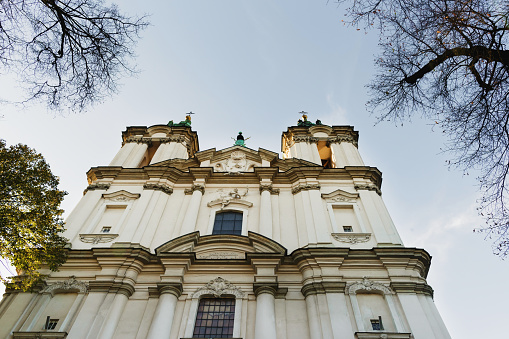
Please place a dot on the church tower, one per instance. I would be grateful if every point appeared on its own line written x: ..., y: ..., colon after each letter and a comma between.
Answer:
x: 172, y: 242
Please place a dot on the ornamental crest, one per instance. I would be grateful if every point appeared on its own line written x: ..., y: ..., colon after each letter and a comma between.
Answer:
x: 367, y: 285
x: 70, y: 284
x: 219, y: 287
x: 237, y: 162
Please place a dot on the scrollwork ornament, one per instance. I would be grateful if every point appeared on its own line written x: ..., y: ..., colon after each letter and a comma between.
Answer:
x: 219, y: 287
x: 70, y: 284
x: 367, y: 285
x: 306, y: 187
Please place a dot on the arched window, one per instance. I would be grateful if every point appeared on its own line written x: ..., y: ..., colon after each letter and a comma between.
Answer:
x: 215, y: 318
x: 228, y: 223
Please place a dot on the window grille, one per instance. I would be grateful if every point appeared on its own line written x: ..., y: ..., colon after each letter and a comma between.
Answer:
x: 214, y: 318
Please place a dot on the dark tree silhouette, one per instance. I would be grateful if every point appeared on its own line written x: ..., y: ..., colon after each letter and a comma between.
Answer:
x: 447, y: 60
x: 68, y: 53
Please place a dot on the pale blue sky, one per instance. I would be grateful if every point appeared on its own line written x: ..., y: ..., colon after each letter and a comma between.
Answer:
x: 252, y: 66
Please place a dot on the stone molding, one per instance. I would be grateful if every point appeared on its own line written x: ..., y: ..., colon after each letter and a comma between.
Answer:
x: 219, y: 287
x: 220, y: 255
x: 120, y: 196
x: 66, y: 285
x: 368, y: 187
x: 342, y: 138
x: 139, y: 140
x: 111, y: 286
x: 412, y: 287
x: 173, y: 138
x: 352, y: 238
x: 262, y: 287
x: 382, y: 335
x: 323, y: 287
x: 270, y: 188
x: 307, y: 187
x: 98, y: 238
x: 159, y: 187
x: 195, y: 187
x: 305, y: 138
x: 39, y: 335
x: 367, y: 285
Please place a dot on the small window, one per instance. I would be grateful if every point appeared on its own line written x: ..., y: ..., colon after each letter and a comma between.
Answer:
x: 377, y: 325
x: 214, y: 318
x: 106, y: 229
x: 50, y: 323
x: 228, y: 223
x: 347, y: 228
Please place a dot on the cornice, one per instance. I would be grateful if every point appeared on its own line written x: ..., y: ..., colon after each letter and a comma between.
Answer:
x: 111, y: 286
x: 412, y: 287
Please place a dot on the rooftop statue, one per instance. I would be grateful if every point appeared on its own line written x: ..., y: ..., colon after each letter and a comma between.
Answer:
x: 185, y: 123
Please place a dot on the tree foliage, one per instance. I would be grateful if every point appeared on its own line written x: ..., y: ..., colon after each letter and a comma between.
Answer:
x: 67, y: 53
x: 30, y: 217
x: 448, y: 61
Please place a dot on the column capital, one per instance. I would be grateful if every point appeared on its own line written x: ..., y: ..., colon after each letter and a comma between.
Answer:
x: 111, y: 286
x: 269, y: 188
x: 195, y: 187
x: 170, y: 288
x: 323, y: 287
x: 342, y: 138
x: 263, y: 287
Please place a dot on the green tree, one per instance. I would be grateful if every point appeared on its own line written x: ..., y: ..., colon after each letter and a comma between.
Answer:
x: 66, y: 53
x: 447, y: 60
x: 30, y: 217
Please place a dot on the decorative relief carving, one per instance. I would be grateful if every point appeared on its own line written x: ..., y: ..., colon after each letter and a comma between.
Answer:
x: 173, y: 138
x: 342, y: 138
x: 159, y: 187
x: 368, y: 187
x: 235, y: 164
x: 97, y: 238
x: 139, y: 140
x: 195, y: 187
x: 220, y: 255
x: 340, y: 196
x: 307, y: 187
x: 97, y: 186
x: 225, y: 198
x: 367, y: 285
x: 70, y: 284
x: 304, y: 138
x: 352, y: 238
x: 268, y: 187
x: 219, y: 287
x: 120, y: 196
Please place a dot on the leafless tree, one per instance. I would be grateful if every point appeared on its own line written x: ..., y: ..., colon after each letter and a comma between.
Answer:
x: 67, y: 53
x: 447, y: 60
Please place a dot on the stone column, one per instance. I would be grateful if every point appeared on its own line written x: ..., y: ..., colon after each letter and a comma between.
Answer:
x: 160, y: 328
x: 112, y: 319
x: 137, y: 154
x: 122, y: 154
x: 265, y: 323
x: 265, y: 211
x: 189, y: 223
x: 163, y: 152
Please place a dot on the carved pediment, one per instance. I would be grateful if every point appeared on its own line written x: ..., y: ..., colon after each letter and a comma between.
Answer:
x: 224, y: 246
x: 120, y: 196
x: 340, y: 196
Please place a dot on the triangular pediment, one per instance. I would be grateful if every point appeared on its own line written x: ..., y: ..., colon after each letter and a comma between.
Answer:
x: 340, y: 195
x: 121, y: 195
x: 217, y: 247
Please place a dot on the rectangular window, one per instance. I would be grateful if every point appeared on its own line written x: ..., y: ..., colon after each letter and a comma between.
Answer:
x: 228, y: 223
x: 347, y: 228
x: 214, y: 318
x: 376, y: 324
x: 50, y: 323
x: 106, y: 229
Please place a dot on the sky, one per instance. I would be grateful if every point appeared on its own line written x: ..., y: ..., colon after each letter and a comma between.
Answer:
x: 251, y: 66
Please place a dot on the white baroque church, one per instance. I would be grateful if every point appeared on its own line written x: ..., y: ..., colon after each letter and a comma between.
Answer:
x: 172, y: 242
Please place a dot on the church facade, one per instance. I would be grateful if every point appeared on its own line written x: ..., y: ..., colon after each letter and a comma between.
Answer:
x: 172, y: 242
